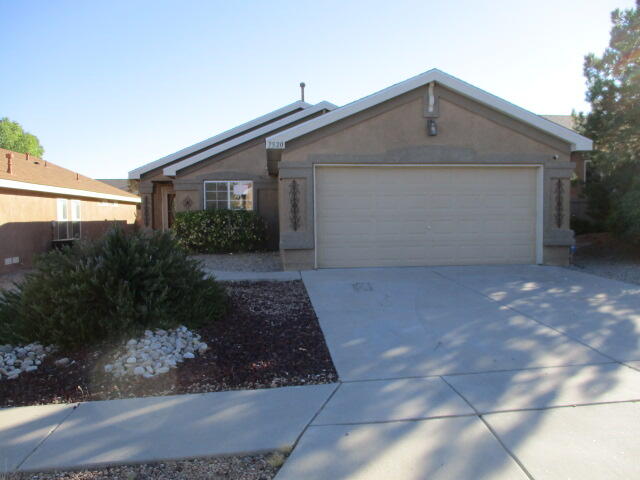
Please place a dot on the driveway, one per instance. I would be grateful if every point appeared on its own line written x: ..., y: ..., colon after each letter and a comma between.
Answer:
x: 475, y: 372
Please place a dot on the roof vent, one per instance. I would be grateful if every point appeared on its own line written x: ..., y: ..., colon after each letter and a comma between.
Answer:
x: 302, y: 85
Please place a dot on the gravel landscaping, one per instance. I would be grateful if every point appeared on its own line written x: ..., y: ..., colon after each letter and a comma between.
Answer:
x: 269, y: 338
x: 603, y: 255
x: 242, y: 262
x: 254, y: 467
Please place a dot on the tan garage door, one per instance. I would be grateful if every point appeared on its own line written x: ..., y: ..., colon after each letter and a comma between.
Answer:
x: 408, y: 216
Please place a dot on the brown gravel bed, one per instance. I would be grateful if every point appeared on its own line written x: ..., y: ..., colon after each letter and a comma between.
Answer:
x: 270, y: 338
x: 254, y: 467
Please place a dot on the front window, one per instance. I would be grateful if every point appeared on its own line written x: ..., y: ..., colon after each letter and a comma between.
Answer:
x: 232, y: 195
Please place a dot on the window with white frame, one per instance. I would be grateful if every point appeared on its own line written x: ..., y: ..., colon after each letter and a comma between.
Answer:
x: 63, y: 209
x: 228, y: 195
x: 67, y: 225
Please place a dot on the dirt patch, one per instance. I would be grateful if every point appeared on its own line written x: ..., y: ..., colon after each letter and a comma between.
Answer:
x: 604, y: 246
x: 607, y: 256
x: 270, y: 338
x: 242, y: 262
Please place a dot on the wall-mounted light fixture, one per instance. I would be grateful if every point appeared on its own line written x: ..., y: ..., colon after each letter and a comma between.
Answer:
x: 432, y: 127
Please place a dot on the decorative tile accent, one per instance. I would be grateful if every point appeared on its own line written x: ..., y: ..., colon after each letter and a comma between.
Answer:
x: 559, y: 203
x: 145, y: 208
x: 294, y: 205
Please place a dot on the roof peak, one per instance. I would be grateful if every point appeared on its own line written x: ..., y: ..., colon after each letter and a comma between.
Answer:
x: 577, y: 141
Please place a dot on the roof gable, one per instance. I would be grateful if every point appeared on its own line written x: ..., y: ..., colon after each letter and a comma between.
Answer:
x: 221, y: 137
x: 172, y: 169
x: 577, y: 141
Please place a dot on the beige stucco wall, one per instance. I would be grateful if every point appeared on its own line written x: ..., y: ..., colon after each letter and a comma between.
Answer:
x: 395, y: 133
x: 251, y: 160
x: 405, y: 126
x: 26, y: 228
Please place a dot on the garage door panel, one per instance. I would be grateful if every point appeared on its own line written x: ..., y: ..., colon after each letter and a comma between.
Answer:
x: 383, y: 216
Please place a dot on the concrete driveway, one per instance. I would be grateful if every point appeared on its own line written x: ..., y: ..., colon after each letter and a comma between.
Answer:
x: 475, y: 372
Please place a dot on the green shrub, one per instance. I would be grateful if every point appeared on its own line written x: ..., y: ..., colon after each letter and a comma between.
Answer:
x: 625, y: 217
x: 583, y: 226
x: 220, y: 231
x: 116, y: 286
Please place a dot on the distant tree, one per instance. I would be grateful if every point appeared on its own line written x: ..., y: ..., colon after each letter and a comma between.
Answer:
x: 13, y: 137
x: 613, y: 90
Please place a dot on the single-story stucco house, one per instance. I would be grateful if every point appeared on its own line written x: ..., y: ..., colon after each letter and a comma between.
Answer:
x: 430, y: 171
x: 42, y: 203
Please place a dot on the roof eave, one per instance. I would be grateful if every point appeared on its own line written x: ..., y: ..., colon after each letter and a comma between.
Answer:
x: 73, y: 192
x: 172, y: 170
x: 137, y: 172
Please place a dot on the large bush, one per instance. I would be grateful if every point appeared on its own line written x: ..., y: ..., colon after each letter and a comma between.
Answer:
x: 613, y: 90
x: 625, y: 218
x: 116, y: 286
x: 220, y: 231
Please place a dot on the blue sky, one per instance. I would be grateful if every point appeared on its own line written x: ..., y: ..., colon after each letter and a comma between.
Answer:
x: 110, y: 85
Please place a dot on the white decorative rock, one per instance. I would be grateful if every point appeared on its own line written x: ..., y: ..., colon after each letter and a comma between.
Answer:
x: 108, y: 368
x: 62, y: 362
x: 21, y: 358
x: 156, y: 352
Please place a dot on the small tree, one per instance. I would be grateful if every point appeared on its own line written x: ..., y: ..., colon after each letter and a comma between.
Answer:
x: 613, y: 90
x: 13, y: 137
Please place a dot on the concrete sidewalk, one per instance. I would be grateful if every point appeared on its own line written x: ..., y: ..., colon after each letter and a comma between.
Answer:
x: 567, y: 422
x: 156, y: 428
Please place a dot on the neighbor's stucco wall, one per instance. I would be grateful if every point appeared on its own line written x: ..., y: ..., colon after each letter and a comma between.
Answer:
x: 395, y: 133
x: 26, y: 223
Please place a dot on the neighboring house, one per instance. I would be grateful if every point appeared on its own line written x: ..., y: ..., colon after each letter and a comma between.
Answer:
x: 42, y: 203
x: 578, y: 202
x: 430, y: 171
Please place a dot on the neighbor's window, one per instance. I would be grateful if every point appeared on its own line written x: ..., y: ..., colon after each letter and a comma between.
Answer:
x: 232, y: 195
x: 75, y: 219
x: 63, y: 211
x: 67, y: 228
